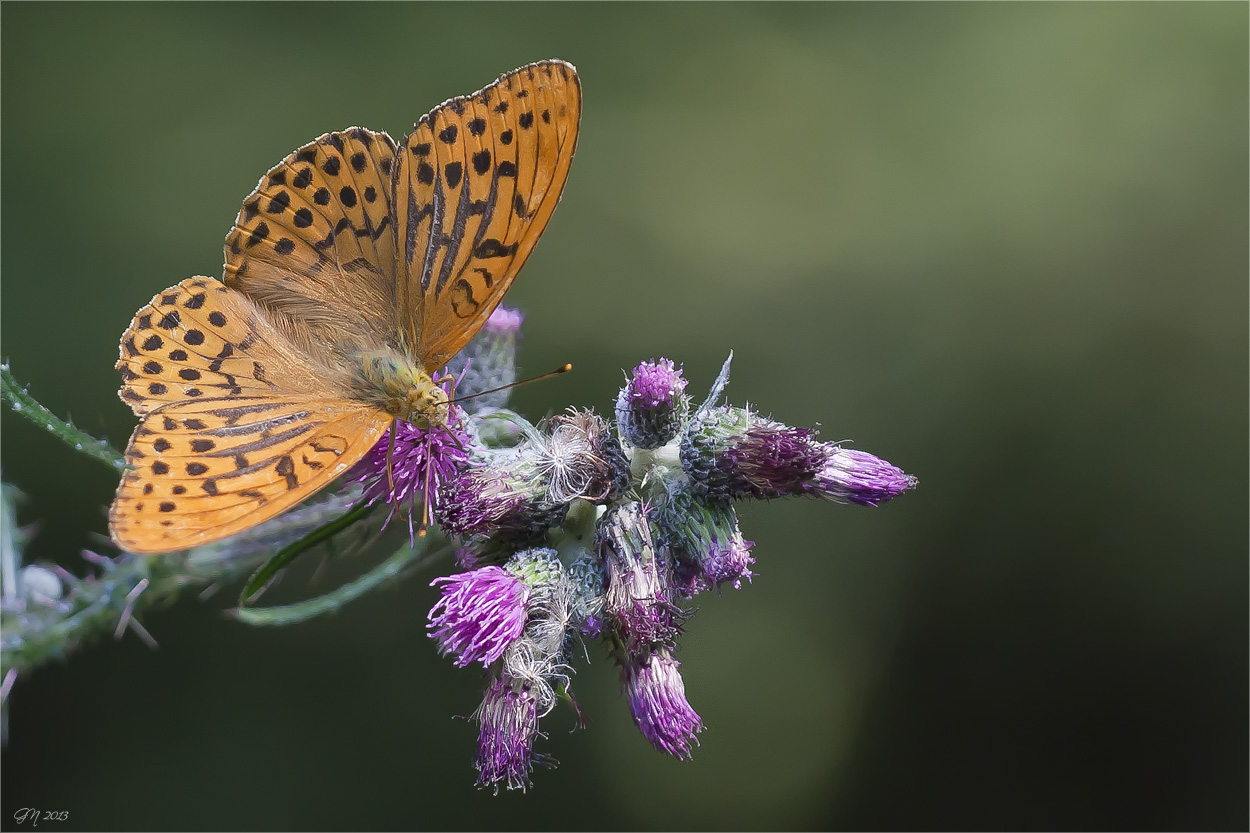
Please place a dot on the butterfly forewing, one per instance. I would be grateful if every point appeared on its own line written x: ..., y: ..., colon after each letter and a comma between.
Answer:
x: 315, y: 242
x: 475, y: 184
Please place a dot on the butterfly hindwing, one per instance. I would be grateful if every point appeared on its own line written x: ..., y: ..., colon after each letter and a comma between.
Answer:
x: 204, y: 470
x: 201, y: 340
x: 315, y: 240
x: 476, y: 182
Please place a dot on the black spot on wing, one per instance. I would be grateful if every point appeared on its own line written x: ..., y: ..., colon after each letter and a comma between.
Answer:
x: 452, y: 173
x: 490, y: 247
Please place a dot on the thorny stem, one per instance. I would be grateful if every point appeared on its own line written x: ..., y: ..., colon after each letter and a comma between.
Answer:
x: 37, y: 628
x: 23, y: 403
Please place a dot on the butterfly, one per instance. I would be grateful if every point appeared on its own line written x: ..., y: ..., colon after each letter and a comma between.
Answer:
x: 353, y: 272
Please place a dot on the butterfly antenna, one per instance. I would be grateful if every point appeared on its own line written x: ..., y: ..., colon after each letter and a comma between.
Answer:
x: 565, y: 368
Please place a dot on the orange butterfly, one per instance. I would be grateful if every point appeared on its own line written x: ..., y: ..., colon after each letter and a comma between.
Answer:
x: 354, y: 270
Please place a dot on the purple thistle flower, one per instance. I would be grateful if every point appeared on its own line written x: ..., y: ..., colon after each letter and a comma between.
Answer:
x: 860, y: 477
x: 508, y: 724
x: 504, y: 322
x: 637, y: 599
x: 728, y: 561
x: 687, y: 580
x: 657, y: 701
x: 421, y: 456
x: 480, y: 614
x: 481, y: 500
x: 731, y: 453
x: 652, y: 406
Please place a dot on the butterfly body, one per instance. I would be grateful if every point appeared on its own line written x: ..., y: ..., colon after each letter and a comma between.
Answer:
x: 401, y: 387
x: 355, y: 270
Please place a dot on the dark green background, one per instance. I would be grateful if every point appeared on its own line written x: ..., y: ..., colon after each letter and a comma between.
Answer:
x: 1004, y: 246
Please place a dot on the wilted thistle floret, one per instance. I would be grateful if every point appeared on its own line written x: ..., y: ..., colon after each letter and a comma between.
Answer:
x: 580, y: 529
x: 638, y: 601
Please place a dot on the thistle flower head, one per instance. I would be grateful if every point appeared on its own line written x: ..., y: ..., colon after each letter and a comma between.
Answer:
x: 507, y: 725
x: 657, y: 701
x: 652, y: 406
x: 637, y: 601
x: 860, y: 477
x: 479, y: 615
x: 732, y: 453
x: 421, y: 459
x: 504, y: 504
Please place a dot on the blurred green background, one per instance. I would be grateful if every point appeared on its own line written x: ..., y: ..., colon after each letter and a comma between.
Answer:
x: 1003, y: 246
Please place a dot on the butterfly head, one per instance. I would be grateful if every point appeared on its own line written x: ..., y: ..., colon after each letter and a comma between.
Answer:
x: 426, y: 406
x: 402, y: 388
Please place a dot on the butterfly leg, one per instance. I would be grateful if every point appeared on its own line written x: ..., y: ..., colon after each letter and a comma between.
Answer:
x: 425, y: 510
x: 390, y: 453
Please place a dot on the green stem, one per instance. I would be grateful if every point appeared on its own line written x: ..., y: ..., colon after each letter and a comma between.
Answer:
x: 23, y: 403
x: 34, y: 631
x: 302, y: 611
x: 261, y: 578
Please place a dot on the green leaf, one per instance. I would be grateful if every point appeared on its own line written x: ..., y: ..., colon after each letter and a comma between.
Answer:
x: 261, y: 578
x: 23, y: 403
x: 302, y: 611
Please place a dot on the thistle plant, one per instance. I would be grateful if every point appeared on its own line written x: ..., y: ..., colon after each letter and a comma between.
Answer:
x: 574, y: 530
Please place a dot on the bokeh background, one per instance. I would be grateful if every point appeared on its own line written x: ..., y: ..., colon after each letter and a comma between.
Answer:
x: 1003, y: 246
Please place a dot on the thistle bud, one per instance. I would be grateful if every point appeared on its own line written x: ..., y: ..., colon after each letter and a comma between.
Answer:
x: 705, y: 546
x: 590, y: 581
x: 652, y: 406
x: 731, y: 453
x: 488, y: 361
